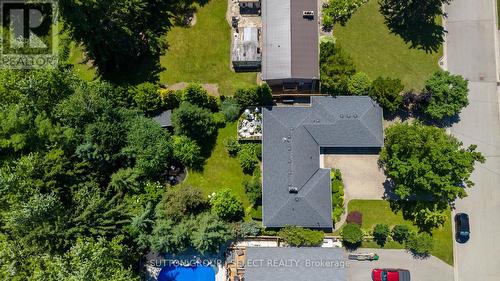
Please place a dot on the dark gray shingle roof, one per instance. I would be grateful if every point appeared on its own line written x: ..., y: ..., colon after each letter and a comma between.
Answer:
x: 292, y: 139
x: 263, y: 264
x: 164, y: 119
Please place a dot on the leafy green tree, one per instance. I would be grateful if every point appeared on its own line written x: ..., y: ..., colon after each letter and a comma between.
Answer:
x: 127, y: 30
x: 147, y: 97
x: 186, y: 151
x: 387, y: 92
x: 336, y: 68
x: 301, y: 237
x: 359, y: 84
x: 194, y: 122
x: 226, y: 206
x: 448, y: 95
x: 340, y: 11
x: 415, y: 21
x: 170, y: 99
x: 88, y: 259
x: 245, y: 229
x: 148, y: 144
x: 210, y: 233
x: 420, y: 243
x: 400, y: 233
x: 425, y: 162
x: 196, y: 95
x: 380, y: 233
x: 352, y: 235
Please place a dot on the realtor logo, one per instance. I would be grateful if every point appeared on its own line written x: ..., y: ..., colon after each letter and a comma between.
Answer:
x: 28, y: 34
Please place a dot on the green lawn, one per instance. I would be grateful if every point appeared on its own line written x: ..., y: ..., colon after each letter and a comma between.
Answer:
x: 201, y: 53
x: 220, y: 170
x: 379, y: 211
x: 379, y: 53
x: 83, y: 70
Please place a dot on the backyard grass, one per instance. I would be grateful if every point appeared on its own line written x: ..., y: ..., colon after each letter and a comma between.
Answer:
x: 220, y: 170
x: 378, y: 52
x: 201, y: 53
x: 379, y: 211
x: 83, y: 70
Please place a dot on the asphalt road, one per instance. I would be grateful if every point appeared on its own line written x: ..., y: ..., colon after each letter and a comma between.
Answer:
x: 470, y: 51
x: 430, y: 269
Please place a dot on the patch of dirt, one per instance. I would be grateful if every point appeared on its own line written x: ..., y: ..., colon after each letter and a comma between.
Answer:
x: 212, y: 89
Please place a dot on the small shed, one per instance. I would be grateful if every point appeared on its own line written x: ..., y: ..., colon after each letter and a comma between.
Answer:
x: 164, y: 119
x: 246, y: 54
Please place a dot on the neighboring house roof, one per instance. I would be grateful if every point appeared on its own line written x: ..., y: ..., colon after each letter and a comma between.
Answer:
x: 164, y: 119
x: 318, y: 264
x: 295, y: 190
x: 290, y: 40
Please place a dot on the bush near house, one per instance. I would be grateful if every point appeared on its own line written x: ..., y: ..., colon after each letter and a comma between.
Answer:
x: 301, y: 237
x: 226, y: 206
x: 420, y: 243
x: 352, y: 235
x: 336, y: 68
x: 400, y: 233
x: 355, y: 217
x: 380, y: 233
x: 337, y: 194
x: 232, y: 146
x: 387, y: 92
x: 254, y: 96
x: 248, y: 160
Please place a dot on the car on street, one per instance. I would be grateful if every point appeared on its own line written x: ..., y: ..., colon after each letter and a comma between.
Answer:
x: 389, y: 274
x: 462, y: 228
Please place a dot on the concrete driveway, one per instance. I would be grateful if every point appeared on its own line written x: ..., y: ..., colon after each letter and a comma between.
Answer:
x: 430, y: 269
x: 363, y: 179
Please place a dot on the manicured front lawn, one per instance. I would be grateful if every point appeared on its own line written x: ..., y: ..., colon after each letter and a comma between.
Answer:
x: 220, y: 170
x: 379, y: 211
x: 201, y: 53
x: 379, y: 53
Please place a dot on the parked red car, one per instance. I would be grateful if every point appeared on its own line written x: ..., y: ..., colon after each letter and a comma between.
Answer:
x: 386, y: 274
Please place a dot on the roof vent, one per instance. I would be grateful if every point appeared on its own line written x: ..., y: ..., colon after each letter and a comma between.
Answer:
x: 308, y: 15
x: 293, y: 189
x: 341, y: 115
x: 355, y: 115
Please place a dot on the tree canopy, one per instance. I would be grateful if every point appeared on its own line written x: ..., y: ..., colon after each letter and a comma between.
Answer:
x: 448, y: 95
x: 336, y: 68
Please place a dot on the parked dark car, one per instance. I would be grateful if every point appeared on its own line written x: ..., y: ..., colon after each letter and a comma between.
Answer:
x: 389, y: 274
x: 462, y: 228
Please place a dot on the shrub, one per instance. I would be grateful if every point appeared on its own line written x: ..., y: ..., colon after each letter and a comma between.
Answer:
x: 380, y: 233
x: 256, y: 213
x: 355, y: 218
x: 258, y: 150
x: 186, y: 151
x: 336, y: 68
x: 387, y: 92
x: 359, y: 84
x: 337, y: 195
x: 248, y: 160
x: 219, y: 119
x: 232, y: 146
x: 147, y: 97
x: 226, y: 206
x: 420, y: 243
x: 195, y: 94
x: 340, y: 11
x: 181, y: 202
x: 244, y: 229
x: 400, y: 233
x: 231, y: 109
x: 254, y: 96
x: 352, y: 235
x: 253, y: 190
x: 169, y: 99
x: 300, y: 237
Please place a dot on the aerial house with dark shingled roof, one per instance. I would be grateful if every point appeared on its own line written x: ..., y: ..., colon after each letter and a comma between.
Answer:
x: 296, y: 191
